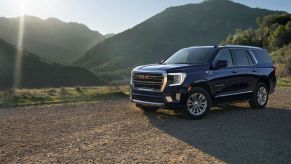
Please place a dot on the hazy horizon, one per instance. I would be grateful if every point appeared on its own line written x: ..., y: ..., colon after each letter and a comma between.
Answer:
x: 104, y: 17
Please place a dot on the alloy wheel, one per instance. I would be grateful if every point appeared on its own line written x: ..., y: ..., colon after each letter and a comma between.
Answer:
x: 197, y: 104
x: 262, y: 95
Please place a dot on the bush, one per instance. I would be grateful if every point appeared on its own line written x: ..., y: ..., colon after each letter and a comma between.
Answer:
x: 282, y: 58
x: 281, y: 70
x: 78, y: 89
x: 63, y: 92
x: 274, y: 32
x: 52, y: 92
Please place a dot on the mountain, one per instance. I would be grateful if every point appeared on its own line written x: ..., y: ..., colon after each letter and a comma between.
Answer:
x: 37, y: 73
x: 206, y: 23
x: 109, y: 35
x: 51, y: 39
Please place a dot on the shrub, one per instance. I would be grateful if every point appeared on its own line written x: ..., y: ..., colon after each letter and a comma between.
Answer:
x: 63, y: 92
x: 281, y: 70
x: 52, y: 92
x: 78, y: 89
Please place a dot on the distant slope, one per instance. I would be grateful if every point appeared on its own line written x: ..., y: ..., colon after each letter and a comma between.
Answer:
x: 206, y: 23
x: 109, y: 35
x: 36, y: 73
x: 51, y: 39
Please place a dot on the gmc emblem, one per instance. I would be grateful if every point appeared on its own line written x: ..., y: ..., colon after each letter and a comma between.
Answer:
x: 143, y: 77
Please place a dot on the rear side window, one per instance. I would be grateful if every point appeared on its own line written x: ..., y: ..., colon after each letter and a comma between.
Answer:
x: 241, y: 57
x: 263, y: 57
x: 225, y: 55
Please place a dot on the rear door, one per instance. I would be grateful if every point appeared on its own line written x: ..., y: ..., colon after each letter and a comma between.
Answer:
x: 245, y: 71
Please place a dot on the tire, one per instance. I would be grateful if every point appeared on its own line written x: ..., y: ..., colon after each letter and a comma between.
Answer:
x: 197, y: 104
x: 147, y: 108
x: 260, y: 97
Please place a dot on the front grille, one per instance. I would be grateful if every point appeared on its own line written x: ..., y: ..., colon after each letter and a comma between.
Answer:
x: 149, y: 81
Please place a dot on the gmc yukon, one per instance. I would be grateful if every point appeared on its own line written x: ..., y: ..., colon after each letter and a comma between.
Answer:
x: 197, y: 78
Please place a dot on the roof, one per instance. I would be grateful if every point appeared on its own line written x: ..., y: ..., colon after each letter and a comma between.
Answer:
x: 227, y: 46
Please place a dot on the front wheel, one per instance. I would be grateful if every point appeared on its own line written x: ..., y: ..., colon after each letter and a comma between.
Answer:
x: 197, y: 104
x: 260, y: 97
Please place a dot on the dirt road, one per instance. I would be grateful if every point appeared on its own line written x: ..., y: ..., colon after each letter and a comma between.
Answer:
x: 116, y: 131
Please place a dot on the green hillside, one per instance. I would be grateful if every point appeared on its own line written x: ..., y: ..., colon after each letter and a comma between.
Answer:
x: 206, y: 23
x: 36, y: 73
x: 274, y: 34
x: 51, y: 39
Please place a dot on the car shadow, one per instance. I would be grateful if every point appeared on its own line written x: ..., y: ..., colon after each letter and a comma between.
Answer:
x: 233, y: 133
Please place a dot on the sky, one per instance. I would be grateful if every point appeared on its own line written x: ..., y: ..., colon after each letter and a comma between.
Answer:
x: 110, y: 16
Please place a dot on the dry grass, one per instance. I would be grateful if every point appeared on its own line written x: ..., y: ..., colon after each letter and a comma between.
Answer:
x: 284, y: 82
x: 27, y: 97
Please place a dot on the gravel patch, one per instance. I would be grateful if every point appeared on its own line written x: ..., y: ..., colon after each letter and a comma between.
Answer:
x: 115, y: 131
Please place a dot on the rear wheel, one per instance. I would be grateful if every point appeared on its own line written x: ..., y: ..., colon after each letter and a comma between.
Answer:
x: 197, y: 104
x: 260, y: 97
x: 147, y: 108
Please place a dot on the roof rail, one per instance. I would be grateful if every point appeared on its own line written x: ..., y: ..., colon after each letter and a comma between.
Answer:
x: 243, y: 46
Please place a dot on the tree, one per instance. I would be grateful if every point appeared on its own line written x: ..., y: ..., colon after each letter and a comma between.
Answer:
x: 281, y: 36
x: 282, y: 57
x: 247, y: 37
x: 274, y: 31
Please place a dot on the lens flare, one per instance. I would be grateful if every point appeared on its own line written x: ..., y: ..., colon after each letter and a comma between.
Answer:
x: 19, y: 50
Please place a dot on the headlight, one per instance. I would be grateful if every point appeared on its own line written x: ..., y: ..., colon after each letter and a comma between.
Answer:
x: 176, y: 78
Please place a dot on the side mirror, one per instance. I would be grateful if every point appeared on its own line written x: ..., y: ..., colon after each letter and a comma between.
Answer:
x: 220, y: 64
x: 161, y: 62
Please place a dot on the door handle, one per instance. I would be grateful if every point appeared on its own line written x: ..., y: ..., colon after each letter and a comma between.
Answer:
x: 234, y: 71
x: 254, y: 70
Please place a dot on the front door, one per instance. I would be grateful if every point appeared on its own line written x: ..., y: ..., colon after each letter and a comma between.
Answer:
x: 224, y: 80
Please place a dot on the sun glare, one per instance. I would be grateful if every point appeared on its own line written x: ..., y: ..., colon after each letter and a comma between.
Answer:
x: 19, y: 51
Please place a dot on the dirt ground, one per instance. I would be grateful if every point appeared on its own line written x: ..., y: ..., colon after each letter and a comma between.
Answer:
x: 114, y: 131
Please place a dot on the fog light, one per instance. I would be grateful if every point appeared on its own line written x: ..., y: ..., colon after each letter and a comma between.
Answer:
x: 169, y: 99
x: 178, y: 96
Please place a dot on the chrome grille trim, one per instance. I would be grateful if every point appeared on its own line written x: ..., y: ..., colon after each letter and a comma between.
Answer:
x: 148, y: 103
x: 154, y: 81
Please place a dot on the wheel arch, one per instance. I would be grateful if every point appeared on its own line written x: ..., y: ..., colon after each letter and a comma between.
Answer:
x: 266, y: 81
x: 201, y: 84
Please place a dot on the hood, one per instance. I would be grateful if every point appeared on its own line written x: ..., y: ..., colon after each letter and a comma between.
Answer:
x: 170, y: 67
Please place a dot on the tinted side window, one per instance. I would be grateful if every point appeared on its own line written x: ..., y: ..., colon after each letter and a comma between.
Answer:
x: 225, y: 55
x: 263, y: 57
x: 241, y: 57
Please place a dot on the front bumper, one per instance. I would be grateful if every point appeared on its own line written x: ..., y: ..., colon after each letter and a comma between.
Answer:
x: 146, y: 103
x: 171, y: 96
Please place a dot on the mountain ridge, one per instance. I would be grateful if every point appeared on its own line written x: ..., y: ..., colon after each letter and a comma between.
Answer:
x: 51, y: 38
x: 205, y: 23
x: 37, y: 73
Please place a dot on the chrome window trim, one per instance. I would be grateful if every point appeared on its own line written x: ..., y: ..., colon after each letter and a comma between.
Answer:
x: 232, y: 94
x: 236, y: 48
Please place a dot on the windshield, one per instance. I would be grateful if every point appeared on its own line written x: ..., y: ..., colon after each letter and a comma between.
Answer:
x: 191, y: 56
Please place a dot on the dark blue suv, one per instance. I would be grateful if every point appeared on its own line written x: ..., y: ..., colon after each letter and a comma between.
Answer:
x: 196, y: 78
